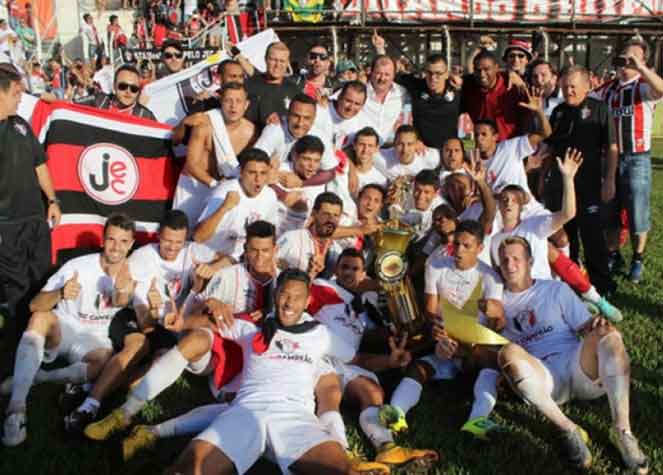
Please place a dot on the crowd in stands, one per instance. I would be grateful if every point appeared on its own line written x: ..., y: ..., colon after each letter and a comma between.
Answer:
x: 272, y: 241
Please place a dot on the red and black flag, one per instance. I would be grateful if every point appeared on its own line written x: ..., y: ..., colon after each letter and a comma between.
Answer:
x: 102, y: 162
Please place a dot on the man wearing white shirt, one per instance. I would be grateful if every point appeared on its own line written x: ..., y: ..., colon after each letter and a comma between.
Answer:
x: 236, y: 203
x: 343, y: 115
x: 559, y: 352
x: 388, y: 104
x: 365, y: 149
x: 504, y: 160
x: 71, y: 316
x: 402, y: 160
x: 277, y: 140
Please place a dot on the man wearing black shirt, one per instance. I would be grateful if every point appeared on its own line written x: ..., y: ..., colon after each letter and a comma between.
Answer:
x: 585, y: 124
x: 435, y: 102
x: 25, y: 240
x: 272, y: 90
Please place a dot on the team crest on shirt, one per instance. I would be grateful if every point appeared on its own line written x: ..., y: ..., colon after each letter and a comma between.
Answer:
x: 525, y: 320
x: 287, y: 346
x: 286, y: 102
x: 585, y: 112
x: 20, y: 128
x: 103, y: 302
x: 449, y: 96
x: 173, y: 287
x: 425, y: 96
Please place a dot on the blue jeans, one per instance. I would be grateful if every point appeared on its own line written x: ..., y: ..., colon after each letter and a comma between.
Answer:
x: 635, y: 185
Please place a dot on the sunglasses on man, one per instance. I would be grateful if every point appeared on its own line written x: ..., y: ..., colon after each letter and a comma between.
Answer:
x: 320, y: 56
x: 123, y: 86
x: 173, y: 55
x: 517, y: 55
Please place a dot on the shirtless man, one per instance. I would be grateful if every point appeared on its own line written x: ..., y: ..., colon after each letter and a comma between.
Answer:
x: 202, y: 169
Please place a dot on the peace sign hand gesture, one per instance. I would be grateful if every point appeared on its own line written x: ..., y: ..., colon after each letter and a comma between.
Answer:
x: 399, y: 357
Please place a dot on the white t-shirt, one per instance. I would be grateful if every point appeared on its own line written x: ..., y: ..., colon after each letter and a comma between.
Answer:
x: 235, y: 286
x: 276, y: 141
x: 536, y: 230
x: 297, y: 247
x: 446, y: 281
x: 342, y: 130
x: 544, y: 319
x: 230, y: 233
x: 421, y: 220
x: 372, y: 176
x: 290, y: 219
x: 506, y: 167
x: 173, y: 278
x: 288, y: 370
x: 473, y: 212
x: 5, y: 36
x: 384, y: 116
x: 93, y: 309
x: 387, y: 163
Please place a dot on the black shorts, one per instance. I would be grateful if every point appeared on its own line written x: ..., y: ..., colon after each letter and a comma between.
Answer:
x: 124, y: 323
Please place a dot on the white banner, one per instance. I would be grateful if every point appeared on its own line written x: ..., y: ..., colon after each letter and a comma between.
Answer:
x: 170, y: 97
x: 501, y: 10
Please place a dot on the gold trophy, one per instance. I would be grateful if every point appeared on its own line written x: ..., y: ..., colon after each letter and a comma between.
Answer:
x: 391, y: 269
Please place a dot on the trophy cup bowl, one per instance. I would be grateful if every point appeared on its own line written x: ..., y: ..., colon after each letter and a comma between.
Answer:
x: 391, y: 268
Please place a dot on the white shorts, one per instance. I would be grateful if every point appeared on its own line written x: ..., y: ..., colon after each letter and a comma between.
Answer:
x: 348, y: 372
x: 442, y: 369
x: 566, y: 380
x: 75, y: 341
x: 244, y: 433
x: 191, y: 196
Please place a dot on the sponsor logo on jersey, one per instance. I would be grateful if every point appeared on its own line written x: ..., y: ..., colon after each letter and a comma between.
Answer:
x: 109, y: 173
x: 20, y: 128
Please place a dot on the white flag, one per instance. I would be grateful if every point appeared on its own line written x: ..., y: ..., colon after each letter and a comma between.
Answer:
x: 171, y: 97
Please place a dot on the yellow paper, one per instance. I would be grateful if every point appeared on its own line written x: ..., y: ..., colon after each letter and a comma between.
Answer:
x: 461, y: 323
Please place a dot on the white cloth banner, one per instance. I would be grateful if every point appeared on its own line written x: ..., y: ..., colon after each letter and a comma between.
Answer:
x: 170, y: 97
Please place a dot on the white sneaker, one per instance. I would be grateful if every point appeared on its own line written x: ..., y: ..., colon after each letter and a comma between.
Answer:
x: 628, y: 446
x: 6, y: 386
x: 15, y: 430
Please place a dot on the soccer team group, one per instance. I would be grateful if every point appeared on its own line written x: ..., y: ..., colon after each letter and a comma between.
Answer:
x: 263, y: 279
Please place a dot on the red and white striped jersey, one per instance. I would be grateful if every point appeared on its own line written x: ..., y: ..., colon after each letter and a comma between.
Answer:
x: 632, y: 107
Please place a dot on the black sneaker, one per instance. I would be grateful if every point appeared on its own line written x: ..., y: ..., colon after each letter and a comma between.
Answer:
x: 76, y: 422
x: 616, y: 262
x: 72, y: 397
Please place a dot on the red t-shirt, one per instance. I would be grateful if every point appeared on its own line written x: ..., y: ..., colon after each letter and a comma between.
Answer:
x: 497, y: 104
x: 159, y: 32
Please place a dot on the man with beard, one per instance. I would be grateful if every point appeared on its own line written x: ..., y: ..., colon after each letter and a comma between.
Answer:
x: 71, y: 316
x: 204, y: 163
x: 164, y: 272
x: 241, y: 291
x: 312, y: 249
x: 545, y: 76
x: 317, y: 82
x: 559, y: 352
x: 236, y: 203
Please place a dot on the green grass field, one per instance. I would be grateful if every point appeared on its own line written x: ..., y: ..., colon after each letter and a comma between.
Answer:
x: 527, y: 448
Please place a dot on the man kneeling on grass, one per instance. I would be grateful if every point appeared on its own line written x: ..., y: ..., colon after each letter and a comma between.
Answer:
x: 71, y: 317
x: 548, y: 363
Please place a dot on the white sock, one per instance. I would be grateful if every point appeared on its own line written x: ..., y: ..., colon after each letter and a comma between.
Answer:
x: 90, y: 405
x: 592, y: 295
x: 75, y: 373
x: 370, y: 424
x: 29, y: 355
x: 485, y: 393
x: 614, y: 371
x: 407, y: 394
x: 566, y: 250
x: 333, y: 422
x: 161, y: 375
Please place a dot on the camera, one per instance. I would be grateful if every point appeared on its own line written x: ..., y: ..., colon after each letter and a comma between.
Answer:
x: 619, y: 61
